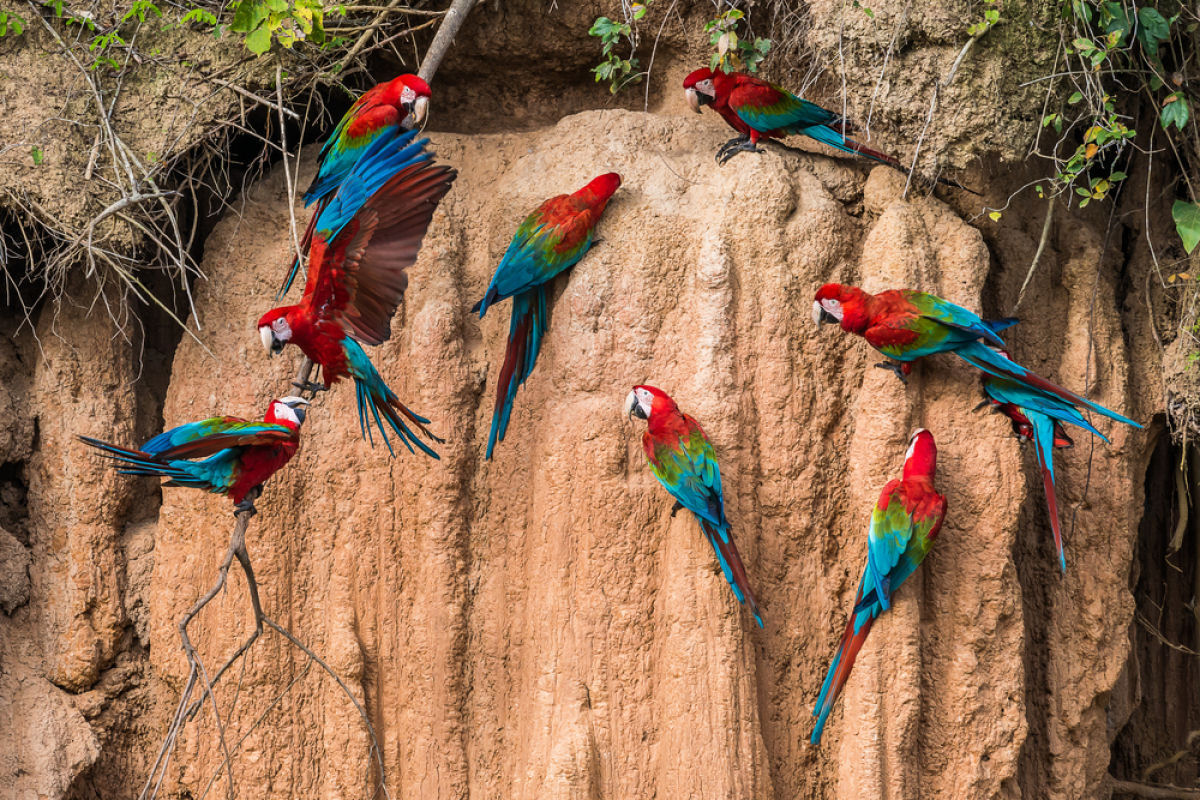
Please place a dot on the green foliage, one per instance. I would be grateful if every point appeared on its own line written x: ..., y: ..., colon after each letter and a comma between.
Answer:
x: 284, y: 21
x: 733, y: 53
x: 37, y: 154
x: 618, y: 71
x: 991, y: 16
x: 11, y: 24
x: 1187, y: 223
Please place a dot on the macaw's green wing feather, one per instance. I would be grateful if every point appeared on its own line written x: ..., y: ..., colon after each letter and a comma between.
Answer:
x: 686, y: 466
x: 353, y: 136
x: 191, y: 432
x: 767, y: 107
x: 891, y: 530
x: 955, y: 316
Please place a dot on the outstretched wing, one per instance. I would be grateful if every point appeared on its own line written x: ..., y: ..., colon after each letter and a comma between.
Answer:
x: 204, y: 438
x: 687, y: 467
x: 370, y: 233
x: 767, y: 107
x: 366, y: 120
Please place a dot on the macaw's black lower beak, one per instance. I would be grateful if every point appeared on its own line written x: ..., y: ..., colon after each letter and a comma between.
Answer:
x: 637, y: 412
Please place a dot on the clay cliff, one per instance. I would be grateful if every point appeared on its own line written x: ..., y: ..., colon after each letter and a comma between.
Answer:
x: 539, y: 625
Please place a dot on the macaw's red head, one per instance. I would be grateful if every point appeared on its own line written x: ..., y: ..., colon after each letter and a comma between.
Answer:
x: 601, y: 189
x: 699, y: 89
x: 275, y: 329
x: 288, y: 411
x: 412, y: 94
x: 845, y: 305
x: 920, y: 462
x: 646, y: 402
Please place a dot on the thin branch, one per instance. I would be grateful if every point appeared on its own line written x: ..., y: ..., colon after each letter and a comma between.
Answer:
x: 456, y: 15
x: 1037, y: 256
x: 249, y: 95
x: 1155, y: 791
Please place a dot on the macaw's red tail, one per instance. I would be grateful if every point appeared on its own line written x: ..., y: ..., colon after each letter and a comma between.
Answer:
x: 731, y: 564
x: 1043, y: 443
x: 525, y: 332
x: 839, y: 670
x: 305, y: 243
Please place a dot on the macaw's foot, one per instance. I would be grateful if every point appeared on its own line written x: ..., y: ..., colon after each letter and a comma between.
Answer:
x: 310, y: 386
x: 732, y: 143
x: 745, y: 146
x: 678, y: 507
x: 901, y: 370
x: 247, y: 505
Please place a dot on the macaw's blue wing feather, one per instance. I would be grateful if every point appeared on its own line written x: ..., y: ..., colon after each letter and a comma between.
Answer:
x: 1043, y: 442
x: 988, y: 360
x: 955, y: 316
x: 216, y: 473
x: 891, y: 530
x: 525, y: 332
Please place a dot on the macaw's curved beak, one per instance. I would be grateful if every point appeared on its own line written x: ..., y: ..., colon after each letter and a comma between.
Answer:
x: 633, y: 408
x: 417, y: 112
x: 297, y: 405
x: 694, y: 99
x: 272, y: 345
x: 821, y: 315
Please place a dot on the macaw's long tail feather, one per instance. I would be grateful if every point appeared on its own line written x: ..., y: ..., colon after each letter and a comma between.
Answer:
x: 731, y: 564
x: 1043, y: 444
x: 835, y: 139
x: 988, y: 360
x: 305, y: 243
x: 525, y: 332
x: 488, y: 300
x: 135, y: 462
x: 374, y: 397
x: 839, y: 671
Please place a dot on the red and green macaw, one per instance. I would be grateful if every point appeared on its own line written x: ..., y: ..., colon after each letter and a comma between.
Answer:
x: 904, y: 524
x: 757, y: 109
x: 551, y: 240
x: 1038, y: 416
x: 906, y: 325
x: 365, y: 239
x: 238, y: 455
x: 685, y: 463
x: 383, y: 110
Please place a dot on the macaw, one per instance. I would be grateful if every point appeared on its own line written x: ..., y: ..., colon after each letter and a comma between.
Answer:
x: 551, y: 240
x: 757, y: 109
x: 906, y: 325
x: 384, y: 109
x: 683, y: 460
x: 1038, y: 416
x: 365, y: 239
x: 904, y: 524
x: 238, y: 455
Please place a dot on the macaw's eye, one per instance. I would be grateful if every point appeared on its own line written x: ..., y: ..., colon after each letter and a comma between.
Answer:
x: 407, y: 95
x: 279, y: 324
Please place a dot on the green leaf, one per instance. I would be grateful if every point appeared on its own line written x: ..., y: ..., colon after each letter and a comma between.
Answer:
x: 1175, y: 112
x: 258, y: 41
x: 1154, y: 26
x: 37, y: 155
x: 248, y: 16
x: 1187, y: 223
x: 1084, y: 45
x: 1075, y: 98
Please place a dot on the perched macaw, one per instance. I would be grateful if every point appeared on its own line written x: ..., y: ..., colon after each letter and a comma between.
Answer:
x: 365, y: 239
x: 1038, y: 416
x: 551, y: 240
x: 238, y: 455
x: 683, y: 460
x: 907, y: 325
x: 384, y: 109
x: 904, y: 524
x: 757, y: 109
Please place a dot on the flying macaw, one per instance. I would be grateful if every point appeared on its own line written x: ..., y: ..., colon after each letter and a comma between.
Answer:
x: 365, y: 239
x: 384, y: 109
x: 238, y: 455
x: 904, y: 524
x: 1038, y: 416
x: 683, y: 460
x: 551, y: 240
x: 757, y: 109
x: 906, y: 325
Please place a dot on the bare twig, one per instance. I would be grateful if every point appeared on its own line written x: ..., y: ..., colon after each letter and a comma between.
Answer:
x: 1037, y: 256
x: 456, y: 15
x: 249, y: 95
x: 1155, y: 791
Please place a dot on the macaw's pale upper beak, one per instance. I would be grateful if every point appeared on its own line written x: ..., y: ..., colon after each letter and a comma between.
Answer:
x: 268, y: 339
x: 821, y: 315
x: 296, y: 404
x: 693, y: 100
x: 633, y: 408
x: 417, y: 112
